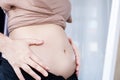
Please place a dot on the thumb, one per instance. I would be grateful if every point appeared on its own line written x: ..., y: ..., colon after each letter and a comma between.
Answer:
x: 34, y: 42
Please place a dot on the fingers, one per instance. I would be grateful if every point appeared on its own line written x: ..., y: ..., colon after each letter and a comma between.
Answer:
x: 34, y: 42
x: 36, y: 59
x: 77, y: 55
x: 18, y: 73
x: 77, y: 73
x: 77, y: 58
x: 27, y: 69
x: 76, y: 50
x: 37, y: 67
x: 77, y: 70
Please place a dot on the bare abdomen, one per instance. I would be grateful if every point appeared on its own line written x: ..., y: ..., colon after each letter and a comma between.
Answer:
x: 56, y: 52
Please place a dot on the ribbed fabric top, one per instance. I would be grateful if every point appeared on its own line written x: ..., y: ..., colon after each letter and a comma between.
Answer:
x: 35, y: 12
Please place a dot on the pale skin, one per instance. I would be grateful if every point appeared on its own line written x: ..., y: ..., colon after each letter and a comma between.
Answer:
x: 19, y: 53
x: 77, y: 55
x: 27, y: 58
x: 8, y: 46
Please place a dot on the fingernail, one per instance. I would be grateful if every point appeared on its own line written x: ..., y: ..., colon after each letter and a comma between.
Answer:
x: 46, y: 74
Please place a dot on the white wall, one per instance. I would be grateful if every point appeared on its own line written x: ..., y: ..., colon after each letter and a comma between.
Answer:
x: 89, y: 31
x: 112, y: 42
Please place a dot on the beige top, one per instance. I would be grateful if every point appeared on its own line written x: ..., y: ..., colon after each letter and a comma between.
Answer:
x: 35, y: 12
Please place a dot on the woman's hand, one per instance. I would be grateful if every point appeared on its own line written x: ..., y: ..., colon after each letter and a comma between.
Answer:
x: 19, y: 55
x: 77, y: 55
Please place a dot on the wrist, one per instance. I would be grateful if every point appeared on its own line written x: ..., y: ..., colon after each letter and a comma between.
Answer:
x: 4, y: 41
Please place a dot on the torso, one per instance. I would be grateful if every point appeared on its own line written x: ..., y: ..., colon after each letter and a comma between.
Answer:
x: 26, y: 19
x: 56, y: 52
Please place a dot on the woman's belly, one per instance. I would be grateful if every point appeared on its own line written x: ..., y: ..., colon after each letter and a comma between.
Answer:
x: 56, y: 52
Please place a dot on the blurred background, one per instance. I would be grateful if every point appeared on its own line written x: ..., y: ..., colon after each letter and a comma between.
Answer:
x: 89, y: 32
